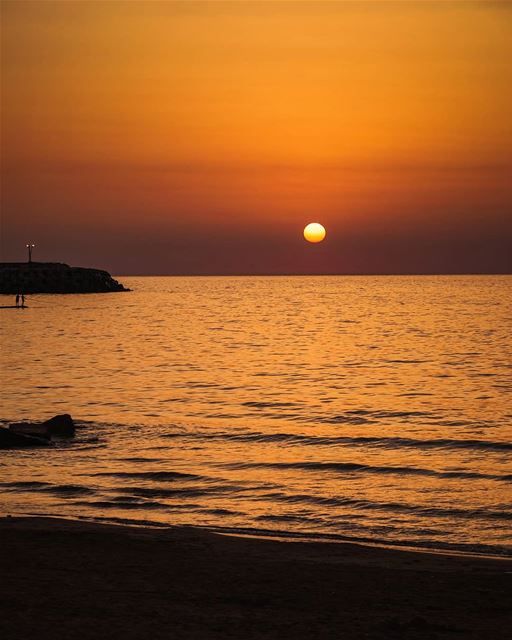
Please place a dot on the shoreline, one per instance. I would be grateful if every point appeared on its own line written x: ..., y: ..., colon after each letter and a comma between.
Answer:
x: 450, y: 549
x: 278, y: 535
x: 84, y: 579
x: 324, y: 538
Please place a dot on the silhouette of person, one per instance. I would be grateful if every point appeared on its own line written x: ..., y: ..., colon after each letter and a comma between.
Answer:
x: 17, y: 299
x: 22, y: 300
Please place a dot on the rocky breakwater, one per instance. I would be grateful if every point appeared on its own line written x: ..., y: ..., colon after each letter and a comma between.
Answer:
x: 54, y: 277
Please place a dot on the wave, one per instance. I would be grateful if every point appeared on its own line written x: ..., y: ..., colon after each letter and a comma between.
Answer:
x: 48, y: 487
x: 34, y: 484
x: 149, y: 492
x: 371, y: 416
x: 138, y: 459
x: 219, y: 512
x: 183, y: 492
x: 270, y: 405
x: 352, y: 416
x: 358, y: 441
x: 120, y: 504
x: 441, y: 443
x: 282, y: 518
x: 361, y: 504
x: 363, y: 468
x: 150, y: 475
x: 68, y: 489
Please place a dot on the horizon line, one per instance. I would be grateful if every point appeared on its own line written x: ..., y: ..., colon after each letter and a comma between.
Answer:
x: 304, y: 275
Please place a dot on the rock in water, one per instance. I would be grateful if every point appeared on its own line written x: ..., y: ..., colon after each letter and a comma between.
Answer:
x: 37, y: 429
x: 54, y: 277
x: 62, y: 425
x: 12, y: 440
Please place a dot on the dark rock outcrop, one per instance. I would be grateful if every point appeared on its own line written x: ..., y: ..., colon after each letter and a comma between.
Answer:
x: 30, y: 429
x: 62, y: 425
x: 54, y: 277
x: 11, y: 440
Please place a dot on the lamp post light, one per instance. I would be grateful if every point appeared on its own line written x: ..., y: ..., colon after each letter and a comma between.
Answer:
x: 30, y: 246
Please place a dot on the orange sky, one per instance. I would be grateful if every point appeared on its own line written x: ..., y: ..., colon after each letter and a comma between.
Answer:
x: 200, y: 137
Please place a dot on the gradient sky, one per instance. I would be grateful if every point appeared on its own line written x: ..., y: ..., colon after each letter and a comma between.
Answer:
x: 200, y: 137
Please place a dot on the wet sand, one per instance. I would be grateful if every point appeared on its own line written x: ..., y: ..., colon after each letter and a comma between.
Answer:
x: 74, y: 580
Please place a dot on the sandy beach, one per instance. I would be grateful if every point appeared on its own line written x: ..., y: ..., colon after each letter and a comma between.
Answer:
x: 70, y: 579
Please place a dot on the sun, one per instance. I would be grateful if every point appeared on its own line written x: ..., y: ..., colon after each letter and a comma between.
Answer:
x: 314, y: 232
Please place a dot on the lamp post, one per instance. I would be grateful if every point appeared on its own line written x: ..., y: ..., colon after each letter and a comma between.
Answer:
x: 30, y: 246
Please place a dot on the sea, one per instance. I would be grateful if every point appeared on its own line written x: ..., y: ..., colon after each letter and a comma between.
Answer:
x: 346, y: 408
